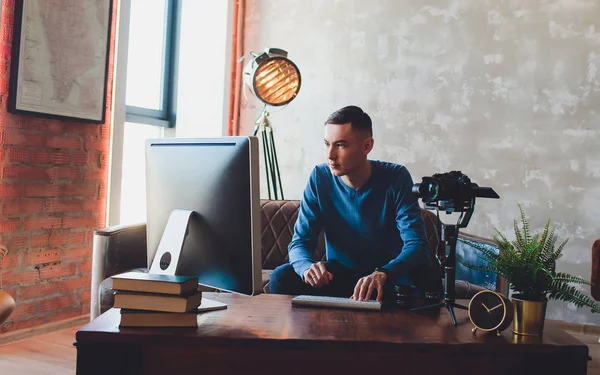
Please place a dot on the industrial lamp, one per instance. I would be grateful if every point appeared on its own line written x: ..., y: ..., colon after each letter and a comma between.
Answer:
x: 274, y: 80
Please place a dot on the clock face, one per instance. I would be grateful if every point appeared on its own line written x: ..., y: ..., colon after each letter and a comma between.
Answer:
x: 487, y: 310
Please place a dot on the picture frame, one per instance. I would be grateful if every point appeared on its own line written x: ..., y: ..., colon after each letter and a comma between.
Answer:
x: 60, y: 59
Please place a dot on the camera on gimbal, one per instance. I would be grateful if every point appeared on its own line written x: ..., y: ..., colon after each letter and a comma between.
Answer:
x: 451, y: 192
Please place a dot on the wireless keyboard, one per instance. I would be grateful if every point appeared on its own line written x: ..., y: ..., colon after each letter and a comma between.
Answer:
x: 339, y: 302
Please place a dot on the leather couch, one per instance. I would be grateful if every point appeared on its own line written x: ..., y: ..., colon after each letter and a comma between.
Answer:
x: 122, y: 248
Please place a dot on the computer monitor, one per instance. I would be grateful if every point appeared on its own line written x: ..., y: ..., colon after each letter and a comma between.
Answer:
x: 217, y: 178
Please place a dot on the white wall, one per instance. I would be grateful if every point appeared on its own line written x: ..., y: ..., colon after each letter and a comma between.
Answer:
x: 506, y: 91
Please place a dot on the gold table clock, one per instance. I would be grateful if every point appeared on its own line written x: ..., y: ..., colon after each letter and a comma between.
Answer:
x: 490, y: 311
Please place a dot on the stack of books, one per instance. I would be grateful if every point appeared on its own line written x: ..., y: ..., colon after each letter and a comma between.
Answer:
x: 151, y: 300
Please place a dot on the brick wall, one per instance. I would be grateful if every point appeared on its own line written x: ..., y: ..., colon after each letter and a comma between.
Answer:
x: 53, y: 183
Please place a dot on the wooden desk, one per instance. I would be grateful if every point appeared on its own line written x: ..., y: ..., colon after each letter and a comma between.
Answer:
x: 266, y: 335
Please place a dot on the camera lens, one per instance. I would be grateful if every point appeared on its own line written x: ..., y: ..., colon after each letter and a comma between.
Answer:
x: 429, y: 189
x: 433, y: 191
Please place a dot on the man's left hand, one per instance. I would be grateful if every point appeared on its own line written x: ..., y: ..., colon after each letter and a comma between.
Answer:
x: 366, y: 285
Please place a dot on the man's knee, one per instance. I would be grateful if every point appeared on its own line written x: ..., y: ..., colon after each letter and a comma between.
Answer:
x: 284, y: 280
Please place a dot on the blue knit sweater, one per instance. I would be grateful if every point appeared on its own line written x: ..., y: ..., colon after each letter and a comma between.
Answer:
x: 378, y: 225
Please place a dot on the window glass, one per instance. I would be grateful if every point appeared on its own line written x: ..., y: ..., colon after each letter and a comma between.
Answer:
x: 146, y: 54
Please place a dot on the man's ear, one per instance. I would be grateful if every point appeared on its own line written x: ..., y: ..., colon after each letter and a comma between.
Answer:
x: 368, y: 145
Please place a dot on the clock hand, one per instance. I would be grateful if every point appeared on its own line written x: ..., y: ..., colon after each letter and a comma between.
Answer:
x: 494, y: 308
x: 486, y: 308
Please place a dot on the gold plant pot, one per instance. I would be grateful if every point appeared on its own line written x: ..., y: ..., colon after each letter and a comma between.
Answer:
x: 529, y: 317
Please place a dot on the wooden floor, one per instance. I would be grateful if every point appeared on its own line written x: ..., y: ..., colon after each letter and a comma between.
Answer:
x: 54, y: 354
x: 47, y: 354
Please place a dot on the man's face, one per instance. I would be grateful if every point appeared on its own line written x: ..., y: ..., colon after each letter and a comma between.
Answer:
x: 345, y: 149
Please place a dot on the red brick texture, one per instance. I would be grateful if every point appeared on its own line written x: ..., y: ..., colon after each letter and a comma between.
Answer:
x: 53, y: 183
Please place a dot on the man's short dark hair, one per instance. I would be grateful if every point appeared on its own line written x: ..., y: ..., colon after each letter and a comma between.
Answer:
x: 353, y: 115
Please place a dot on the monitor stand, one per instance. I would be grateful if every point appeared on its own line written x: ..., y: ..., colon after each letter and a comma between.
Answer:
x: 169, y: 250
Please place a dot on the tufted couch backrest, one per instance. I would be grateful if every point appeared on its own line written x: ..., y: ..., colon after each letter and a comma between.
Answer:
x: 277, y: 228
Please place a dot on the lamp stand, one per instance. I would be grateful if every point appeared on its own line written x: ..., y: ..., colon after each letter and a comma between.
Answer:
x: 270, y: 154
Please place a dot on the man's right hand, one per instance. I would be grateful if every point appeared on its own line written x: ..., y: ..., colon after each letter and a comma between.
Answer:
x: 317, y: 275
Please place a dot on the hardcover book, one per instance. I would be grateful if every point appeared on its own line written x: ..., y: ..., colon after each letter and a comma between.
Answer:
x: 153, y: 283
x: 144, y: 318
x: 158, y: 302
x: 141, y: 318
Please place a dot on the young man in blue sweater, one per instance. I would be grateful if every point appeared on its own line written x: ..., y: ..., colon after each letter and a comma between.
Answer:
x: 374, y: 230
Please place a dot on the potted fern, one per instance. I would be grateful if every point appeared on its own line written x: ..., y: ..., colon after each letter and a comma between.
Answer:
x: 529, y: 264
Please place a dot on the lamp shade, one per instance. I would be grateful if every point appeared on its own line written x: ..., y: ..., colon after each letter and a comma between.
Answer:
x: 273, y: 78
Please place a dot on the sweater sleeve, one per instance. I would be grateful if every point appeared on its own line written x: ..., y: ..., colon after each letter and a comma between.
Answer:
x: 307, y: 228
x: 409, y: 221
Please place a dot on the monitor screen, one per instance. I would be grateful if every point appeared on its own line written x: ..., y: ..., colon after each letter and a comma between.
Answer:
x: 217, y: 179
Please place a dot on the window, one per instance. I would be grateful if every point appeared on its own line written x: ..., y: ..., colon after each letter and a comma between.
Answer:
x: 152, y: 62
x: 162, y: 70
x: 150, y: 78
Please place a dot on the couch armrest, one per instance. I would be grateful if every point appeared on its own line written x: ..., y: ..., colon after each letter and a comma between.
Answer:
x: 116, y: 249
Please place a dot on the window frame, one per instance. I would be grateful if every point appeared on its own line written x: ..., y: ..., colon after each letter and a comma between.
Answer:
x: 167, y: 115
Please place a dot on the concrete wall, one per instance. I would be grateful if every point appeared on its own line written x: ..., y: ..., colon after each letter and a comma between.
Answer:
x: 505, y: 91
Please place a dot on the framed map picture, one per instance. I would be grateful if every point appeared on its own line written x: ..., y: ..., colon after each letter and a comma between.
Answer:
x: 60, y: 58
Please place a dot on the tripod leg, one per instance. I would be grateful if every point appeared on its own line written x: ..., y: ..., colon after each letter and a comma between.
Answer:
x: 449, y: 307
x: 276, y: 163
x: 266, y: 155
x: 271, y: 165
x: 460, y: 306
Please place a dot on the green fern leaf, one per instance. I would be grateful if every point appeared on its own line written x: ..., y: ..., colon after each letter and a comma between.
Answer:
x: 520, y: 240
x: 545, y: 233
x: 568, y: 293
x: 558, y: 253
x: 526, y: 234
x: 547, y: 244
x: 502, y: 236
x: 547, y: 256
x: 561, y: 278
